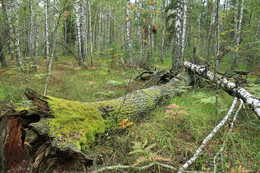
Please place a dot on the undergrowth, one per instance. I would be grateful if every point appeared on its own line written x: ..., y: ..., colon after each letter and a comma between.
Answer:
x: 170, y: 134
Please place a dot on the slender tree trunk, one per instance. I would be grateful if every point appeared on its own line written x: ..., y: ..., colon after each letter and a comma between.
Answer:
x: 79, y: 41
x: 176, y: 54
x: 163, y: 30
x: 46, y: 9
x: 212, y: 20
x: 216, y: 57
x: 83, y: 31
x: 90, y: 33
x: 32, y: 34
x: 2, y: 55
x: 152, y: 35
x: 139, y: 33
x: 99, y: 32
x: 237, y: 42
x: 17, y: 48
x: 128, y: 32
x: 184, y: 28
x: 36, y: 36
x: 53, y: 47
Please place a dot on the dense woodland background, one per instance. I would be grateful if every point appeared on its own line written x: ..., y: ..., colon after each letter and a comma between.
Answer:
x: 89, y: 50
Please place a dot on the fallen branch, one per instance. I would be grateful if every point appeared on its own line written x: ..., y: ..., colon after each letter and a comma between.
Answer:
x: 229, y: 132
x: 133, y: 167
x: 227, y: 86
x: 208, y: 138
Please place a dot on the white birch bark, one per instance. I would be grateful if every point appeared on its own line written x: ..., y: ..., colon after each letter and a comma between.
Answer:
x: 227, y: 136
x: 46, y: 10
x: 227, y: 86
x: 208, y: 138
x: 109, y: 25
x: 236, y: 22
x: 53, y: 47
x: 90, y: 33
x: 139, y: 33
x: 17, y: 48
x: 128, y: 32
x: 163, y: 30
x: 184, y: 27
x: 99, y: 31
x: 79, y: 41
x: 11, y: 32
x: 36, y: 36
x: 237, y: 42
x: 177, y: 55
x: 212, y: 20
x: 152, y: 35
x: 32, y: 34
x: 83, y: 28
x: 17, y: 37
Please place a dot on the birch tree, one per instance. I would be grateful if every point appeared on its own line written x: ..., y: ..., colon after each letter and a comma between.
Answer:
x: 152, y: 36
x: 128, y: 32
x: 83, y: 31
x: 177, y: 54
x: 90, y: 33
x: 32, y: 34
x: 36, y: 36
x: 46, y: 10
x: 99, y: 31
x: 139, y: 32
x: 79, y: 41
x: 163, y: 15
x: 184, y: 27
x: 237, y: 38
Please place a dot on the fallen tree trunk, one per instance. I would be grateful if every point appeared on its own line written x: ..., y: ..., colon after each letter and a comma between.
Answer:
x: 227, y: 86
x: 65, y: 128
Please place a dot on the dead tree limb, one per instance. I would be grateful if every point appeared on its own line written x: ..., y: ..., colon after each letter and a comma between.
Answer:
x: 227, y: 86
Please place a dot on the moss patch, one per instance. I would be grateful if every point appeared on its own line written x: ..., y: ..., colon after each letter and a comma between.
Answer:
x: 75, y: 122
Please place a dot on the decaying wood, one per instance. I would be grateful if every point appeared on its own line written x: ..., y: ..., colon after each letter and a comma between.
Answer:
x: 53, y: 149
x: 227, y: 86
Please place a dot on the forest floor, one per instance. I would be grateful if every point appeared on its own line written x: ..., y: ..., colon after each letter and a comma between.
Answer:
x: 170, y: 134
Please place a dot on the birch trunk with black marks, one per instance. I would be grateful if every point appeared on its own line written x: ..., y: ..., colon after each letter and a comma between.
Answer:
x: 152, y: 35
x: 90, y: 32
x: 139, y: 33
x: 47, y: 43
x: 83, y: 31
x: 128, y: 32
x: 36, y: 36
x: 79, y: 41
x: 237, y: 38
x: 184, y: 28
x: 177, y: 50
x: 163, y: 30
x: 231, y: 88
x: 99, y: 32
x: 32, y: 30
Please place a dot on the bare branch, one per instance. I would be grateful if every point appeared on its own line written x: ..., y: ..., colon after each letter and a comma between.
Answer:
x: 208, y: 138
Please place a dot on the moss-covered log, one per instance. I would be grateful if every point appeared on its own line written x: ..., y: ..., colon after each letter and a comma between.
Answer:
x: 65, y: 128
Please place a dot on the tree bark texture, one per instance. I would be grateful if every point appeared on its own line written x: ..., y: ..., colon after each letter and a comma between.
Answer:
x: 227, y: 86
x: 65, y: 128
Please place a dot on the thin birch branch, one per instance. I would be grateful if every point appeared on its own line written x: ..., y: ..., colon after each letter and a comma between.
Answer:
x: 229, y: 132
x: 208, y: 138
x: 133, y: 167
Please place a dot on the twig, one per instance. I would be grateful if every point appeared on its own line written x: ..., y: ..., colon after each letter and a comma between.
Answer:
x: 229, y: 132
x: 208, y: 138
x: 133, y: 167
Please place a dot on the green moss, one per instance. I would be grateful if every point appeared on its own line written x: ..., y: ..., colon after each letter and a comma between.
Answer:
x: 151, y: 96
x: 75, y: 122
